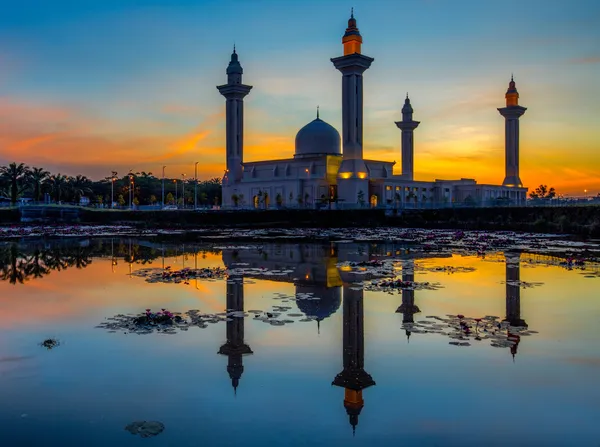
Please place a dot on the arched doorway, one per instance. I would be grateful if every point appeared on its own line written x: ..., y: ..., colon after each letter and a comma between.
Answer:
x: 255, y: 201
x: 373, y: 201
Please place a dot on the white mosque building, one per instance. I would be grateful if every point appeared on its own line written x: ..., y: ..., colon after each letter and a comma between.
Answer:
x: 327, y: 170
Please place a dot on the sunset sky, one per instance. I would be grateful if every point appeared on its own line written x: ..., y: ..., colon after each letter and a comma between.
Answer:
x: 99, y: 85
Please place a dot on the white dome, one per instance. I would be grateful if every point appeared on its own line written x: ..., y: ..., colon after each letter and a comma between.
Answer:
x: 317, y: 138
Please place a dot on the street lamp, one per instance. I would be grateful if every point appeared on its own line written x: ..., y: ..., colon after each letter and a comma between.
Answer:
x: 131, y: 186
x: 183, y: 190
x: 195, y: 186
x: 112, y: 192
x: 176, y: 200
x: 162, y: 204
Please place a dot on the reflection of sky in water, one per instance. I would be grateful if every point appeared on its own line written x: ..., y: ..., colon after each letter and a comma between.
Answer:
x: 427, y: 392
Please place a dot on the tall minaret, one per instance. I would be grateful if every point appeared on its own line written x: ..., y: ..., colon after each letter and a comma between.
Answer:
x: 353, y: 174
x: 235, y: 92
x: 511, y: 113
x: 235, y: 347
x: 408, y: 126
x: 353, y: 378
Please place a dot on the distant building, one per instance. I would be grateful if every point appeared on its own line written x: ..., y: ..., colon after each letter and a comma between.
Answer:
x: 327, y: 170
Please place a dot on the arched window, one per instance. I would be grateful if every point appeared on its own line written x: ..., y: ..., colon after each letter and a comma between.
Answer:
x: 255, y: 201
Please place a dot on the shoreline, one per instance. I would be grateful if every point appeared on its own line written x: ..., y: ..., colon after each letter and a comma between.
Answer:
x: 579, y: 221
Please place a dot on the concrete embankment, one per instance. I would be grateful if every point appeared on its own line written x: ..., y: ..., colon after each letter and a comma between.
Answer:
x: 580, y: 220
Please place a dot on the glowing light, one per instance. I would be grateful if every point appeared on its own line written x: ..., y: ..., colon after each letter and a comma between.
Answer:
x: 362, y: 175
x: 345, y: 175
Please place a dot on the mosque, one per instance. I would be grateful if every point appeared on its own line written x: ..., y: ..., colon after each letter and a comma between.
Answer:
x: 329, y: 170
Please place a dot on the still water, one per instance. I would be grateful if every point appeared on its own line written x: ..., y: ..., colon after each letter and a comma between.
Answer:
x: 351, y: 363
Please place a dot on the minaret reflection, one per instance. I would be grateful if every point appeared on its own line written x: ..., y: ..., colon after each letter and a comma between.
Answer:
x: 513, y: 298
x: 235, y: 347
x: 353, y: 378
x: 408, y: 308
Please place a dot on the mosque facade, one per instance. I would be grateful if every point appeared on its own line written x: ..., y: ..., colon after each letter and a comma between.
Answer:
x: 329, y: 170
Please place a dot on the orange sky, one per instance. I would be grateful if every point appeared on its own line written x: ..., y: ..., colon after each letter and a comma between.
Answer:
x: 141, y: 99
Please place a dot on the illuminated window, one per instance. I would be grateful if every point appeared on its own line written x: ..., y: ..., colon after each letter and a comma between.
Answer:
x: 388, y: 188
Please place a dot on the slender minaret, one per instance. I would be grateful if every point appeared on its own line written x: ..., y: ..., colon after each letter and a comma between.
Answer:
x: 353, y: 174
x: 408, y: 307
x: 407, y: 125
x: 511, y: 113
x: 353, y: 378
x: 234, y: 91
x: 235, y: 347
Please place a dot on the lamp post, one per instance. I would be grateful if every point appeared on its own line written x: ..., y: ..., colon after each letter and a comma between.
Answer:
x: 307, y: 178
x: 112, y: 192
x: 176, y: 199
x: 162, y: 204
x: 183, y: 190
x: 131, y: 186
x: 195, y: 186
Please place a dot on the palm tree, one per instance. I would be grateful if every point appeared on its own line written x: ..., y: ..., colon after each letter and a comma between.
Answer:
x: 59, y: 184
x: 14, y: 174
x: 37, y: 177
x: 80, y: 185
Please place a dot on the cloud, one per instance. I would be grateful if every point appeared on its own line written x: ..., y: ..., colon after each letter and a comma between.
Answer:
x: 586, y: 60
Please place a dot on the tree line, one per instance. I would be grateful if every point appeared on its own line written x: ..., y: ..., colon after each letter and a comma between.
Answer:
x: 18, y: 182
x: 20, y: 262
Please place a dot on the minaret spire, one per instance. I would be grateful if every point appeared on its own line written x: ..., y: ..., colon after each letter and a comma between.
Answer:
x: 511, y: 113
x: 353, y: 175
x: 317, y: 112
x: 234, y: 92
x: 407, y: 125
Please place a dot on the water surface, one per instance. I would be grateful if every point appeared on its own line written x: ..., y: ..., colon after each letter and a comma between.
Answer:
x: 365, y: 370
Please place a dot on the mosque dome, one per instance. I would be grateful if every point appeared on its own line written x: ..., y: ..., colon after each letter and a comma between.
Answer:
x: 317, y: 138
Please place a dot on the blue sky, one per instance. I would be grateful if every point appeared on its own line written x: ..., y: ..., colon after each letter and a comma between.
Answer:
x: 135, y: 81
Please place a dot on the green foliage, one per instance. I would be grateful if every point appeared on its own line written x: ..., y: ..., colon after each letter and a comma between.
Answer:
x: 17, y: 180
x: 542, y: 192
x: 15, y: 176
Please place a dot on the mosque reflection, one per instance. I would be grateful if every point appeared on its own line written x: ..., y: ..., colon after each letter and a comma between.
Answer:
x: 312, y: 268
